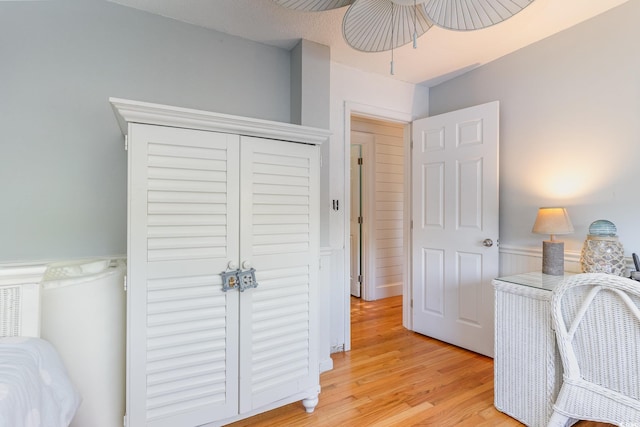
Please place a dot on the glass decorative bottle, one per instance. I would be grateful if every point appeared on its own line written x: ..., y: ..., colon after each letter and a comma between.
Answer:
x: 602, y: 252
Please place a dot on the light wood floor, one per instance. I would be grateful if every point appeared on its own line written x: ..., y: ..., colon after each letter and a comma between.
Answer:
x: 394, y: 377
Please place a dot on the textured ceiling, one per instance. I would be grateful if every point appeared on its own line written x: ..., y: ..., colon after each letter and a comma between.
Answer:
x: 440, y: 55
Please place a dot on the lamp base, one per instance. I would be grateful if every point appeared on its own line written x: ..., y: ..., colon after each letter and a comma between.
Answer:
x: 553, y: 258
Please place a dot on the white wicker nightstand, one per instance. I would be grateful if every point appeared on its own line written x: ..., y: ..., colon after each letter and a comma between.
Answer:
x: 527, y: 365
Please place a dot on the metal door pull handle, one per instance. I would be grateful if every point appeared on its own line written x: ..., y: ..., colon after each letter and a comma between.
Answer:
x: 239, y: 279
x: 229, y: 280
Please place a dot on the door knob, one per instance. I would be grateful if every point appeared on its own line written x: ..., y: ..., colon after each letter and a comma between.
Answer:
x: 487, y: 242
x: 246, y: 265
x: 231, y: 265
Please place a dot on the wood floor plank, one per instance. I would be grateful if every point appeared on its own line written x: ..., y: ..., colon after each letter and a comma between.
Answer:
x: 395, y: 377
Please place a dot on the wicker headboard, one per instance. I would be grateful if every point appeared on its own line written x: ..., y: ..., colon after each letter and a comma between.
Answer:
x: 20, y: 300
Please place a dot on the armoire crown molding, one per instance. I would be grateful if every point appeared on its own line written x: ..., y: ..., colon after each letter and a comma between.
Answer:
x: 128, y: 111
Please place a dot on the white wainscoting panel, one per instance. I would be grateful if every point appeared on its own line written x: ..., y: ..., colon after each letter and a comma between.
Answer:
x: 516, y: 260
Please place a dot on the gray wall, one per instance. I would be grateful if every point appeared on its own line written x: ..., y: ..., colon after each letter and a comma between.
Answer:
x: 569, y: 126
x: 310, y: 106
x: 62, y: 163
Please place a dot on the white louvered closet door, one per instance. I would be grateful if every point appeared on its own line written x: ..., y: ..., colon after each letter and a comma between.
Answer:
x: 279, y: 238
x: 182, y: 343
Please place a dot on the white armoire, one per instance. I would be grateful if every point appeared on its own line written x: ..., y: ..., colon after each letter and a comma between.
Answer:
x: 223, y: 254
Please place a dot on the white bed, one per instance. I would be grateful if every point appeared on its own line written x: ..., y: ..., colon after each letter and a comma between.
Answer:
x: 35, y: 390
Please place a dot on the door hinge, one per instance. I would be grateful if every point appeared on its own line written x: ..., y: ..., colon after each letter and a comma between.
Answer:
x: 411, y: 303
x: 124, y: 283
x: 411, y: 144
x: 360, y: 220
x: 320, y: 160
x: 124, y: 420
x: 412, y: 224
x: 126, y: 143
x: 359, y: 278
x: 360, y: 162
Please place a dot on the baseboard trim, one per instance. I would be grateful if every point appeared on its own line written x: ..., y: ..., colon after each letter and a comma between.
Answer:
x: 326, y: 365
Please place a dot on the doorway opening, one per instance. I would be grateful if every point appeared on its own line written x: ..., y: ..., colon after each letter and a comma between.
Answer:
x: 377, y: 208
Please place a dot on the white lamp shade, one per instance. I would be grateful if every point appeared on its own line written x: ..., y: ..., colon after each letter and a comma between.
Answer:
x: 552, y: 221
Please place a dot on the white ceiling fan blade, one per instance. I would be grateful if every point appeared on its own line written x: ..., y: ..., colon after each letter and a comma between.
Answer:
x: 367, y: 25
x: 313, y: 5
x: 466, y: 15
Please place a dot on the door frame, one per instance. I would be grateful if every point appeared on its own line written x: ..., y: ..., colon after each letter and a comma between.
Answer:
x: 383, y: 114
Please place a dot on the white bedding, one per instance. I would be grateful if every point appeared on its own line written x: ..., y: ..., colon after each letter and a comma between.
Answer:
x: 35, y: 390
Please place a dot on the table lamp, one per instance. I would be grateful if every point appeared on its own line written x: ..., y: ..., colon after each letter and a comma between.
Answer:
x: 552, y: 221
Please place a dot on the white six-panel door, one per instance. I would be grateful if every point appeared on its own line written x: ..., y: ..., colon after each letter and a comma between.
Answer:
x: 455, y: 226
